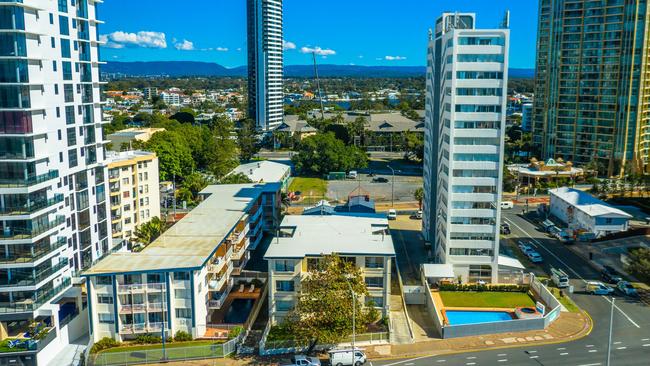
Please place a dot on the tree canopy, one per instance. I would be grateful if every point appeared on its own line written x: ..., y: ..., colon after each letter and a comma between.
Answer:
x: 239, y: 178
x: 149, y: 231
x: 639, y: 265
x: 323, y: 153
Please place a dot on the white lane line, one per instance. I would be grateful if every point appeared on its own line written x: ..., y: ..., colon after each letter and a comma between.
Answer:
x: 593, y: 350
x: 471, y: 358
x: 564, y: 353
x: 561, y: 349
x: 621, y: 347
x: 534, y: 357
x: 470, y: 363
x: 531, y: 351
x: 409, y: 364
x: 646, y: 345
x: 409, y: 360
x: 589, y: 345
x: 592, y: 364
x: 439, y: 361
x: 618, y: 342
x: 503, y: 360
x: 621, y: 311
x: 502, y: 354
x: 646, y: 339
x: 570, y: 269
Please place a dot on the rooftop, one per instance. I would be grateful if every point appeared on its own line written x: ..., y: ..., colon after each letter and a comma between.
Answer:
x: 263, y: 171
x: 191, y: 241
x: 113, y: 157
x: 587, y: 203
x: 344, y: 235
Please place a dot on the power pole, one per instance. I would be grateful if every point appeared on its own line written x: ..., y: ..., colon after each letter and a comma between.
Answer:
x: 320, y: 96
x: 609, y: 340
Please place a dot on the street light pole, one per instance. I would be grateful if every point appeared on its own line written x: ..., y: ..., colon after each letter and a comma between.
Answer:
x: 609, y: 341
x: 354, y: 306
x: 392, y: 187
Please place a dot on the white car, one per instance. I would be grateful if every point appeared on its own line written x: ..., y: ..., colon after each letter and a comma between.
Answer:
x: 626, y: 288
x: 344, y: 358
x: 392, y: 214
x: 598, y: 288
x: 302, y: 360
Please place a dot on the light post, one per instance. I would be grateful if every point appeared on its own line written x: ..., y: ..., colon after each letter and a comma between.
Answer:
x: 354, y: 306
x: 392, y: 187
x: 609, y: 340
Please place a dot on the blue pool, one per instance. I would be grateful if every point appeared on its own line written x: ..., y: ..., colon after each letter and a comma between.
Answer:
x: 238, y: 311
x: 458, y: 317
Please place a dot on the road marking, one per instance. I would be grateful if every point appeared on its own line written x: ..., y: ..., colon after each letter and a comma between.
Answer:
x: 531, y: 351
x: 646, y: 345
x: 589, y: 345
x: 564, y: 353
x: 621, y: 347
x: 561, y: 349
x: 409, y: 360
x: 591, y: 364
x: 441, y: 361
x: 502, y: 354
x: 471, y: 358
x: 618, y: 342
x: 646, y: 339
x: 503, y: 360
x: 409, y: 364
x: 593, y: 350
x: 534, y: 357
x: 470, y: 363
x: 621, y: 311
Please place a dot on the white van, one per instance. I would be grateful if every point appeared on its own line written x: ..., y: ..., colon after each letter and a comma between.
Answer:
x: 352, y: 174
x: 343, y: 357
x: 560, y: 278
x: 506, y: 205
x: 392, y: 214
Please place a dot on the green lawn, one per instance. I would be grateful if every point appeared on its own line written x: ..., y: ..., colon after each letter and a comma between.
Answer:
x: 564, y: 300
x: 159, y: 345
x: 153, y: 353
x: 486, y: 299
x: 315, y: 187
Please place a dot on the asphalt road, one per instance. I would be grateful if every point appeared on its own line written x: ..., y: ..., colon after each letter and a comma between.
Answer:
x: 630, y: 334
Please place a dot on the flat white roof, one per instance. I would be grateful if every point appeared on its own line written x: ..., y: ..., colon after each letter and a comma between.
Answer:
x: 192, y: 240
x: 319, y: 235
x: 509, y: 262
x: 587, y: 203
x: 438, y: 270
x: 263, y: 171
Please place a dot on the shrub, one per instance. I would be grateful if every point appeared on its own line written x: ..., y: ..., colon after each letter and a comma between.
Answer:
x: 147, y: 339
x: 279, y: 332
x: 234, y: 332
x: 182, y: 336
x: 480, y: 288
x: 104, y: 343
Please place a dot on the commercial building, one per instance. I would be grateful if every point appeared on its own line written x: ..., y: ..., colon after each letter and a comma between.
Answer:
x: 584, y: 213
x: 181, y: 279
x: 148, y: 93
x: 466, y: 82
x: 122, y: 139
x: 544, y: 173
x: 265, y: 171
x: 171, y: 99
x: 527, y: 117
x: 303, y: 240
x: 53, y: 202
x: 591, y: 83
x: 265, y: 63
x: 134, y: 191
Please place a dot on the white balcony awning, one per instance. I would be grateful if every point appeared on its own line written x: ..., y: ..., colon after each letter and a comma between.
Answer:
x: 438, y: 270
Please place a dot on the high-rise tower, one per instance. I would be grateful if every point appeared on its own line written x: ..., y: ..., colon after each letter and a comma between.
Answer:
x: 53, y: 202
x: 467, y: 73
x: 265, y: 63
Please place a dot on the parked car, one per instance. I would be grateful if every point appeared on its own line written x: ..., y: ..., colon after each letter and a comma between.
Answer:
x: 535, y: 257
x: 417, y: 215
x: 626, y: 288
x: 392, y: 214
x: 525, y: 246
x: 610, y: 275
x: 505, y: 228
x: 302, y: 360
x: 598, y: 288
x: 344, y: 357
x: 379, y: 180
x: 352, y: 174
x: 506, y: 205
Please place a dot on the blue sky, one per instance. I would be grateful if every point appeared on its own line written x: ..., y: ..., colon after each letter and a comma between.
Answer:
x: 361, y: 32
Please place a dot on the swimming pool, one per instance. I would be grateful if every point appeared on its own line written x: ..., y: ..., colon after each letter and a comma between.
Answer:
x: 458, y: 317
x: 238, y: 311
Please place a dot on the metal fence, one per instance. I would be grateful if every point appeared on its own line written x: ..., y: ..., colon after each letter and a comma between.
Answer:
x: 156, y: 355
x: 268, y: 348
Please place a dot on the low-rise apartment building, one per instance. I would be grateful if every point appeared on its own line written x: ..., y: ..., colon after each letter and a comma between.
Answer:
x: 134, y: 191
x: 302, y: 240
x: 179, y: 280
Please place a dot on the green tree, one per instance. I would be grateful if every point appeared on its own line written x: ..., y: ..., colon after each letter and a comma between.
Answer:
x: 325, y: 305
x: 419, y: 196
x: 246, y: 140
x: 323, y: 153
x: 194, y: 183
x: 183, y: 117
x: 238, y: 178
x: 413, y: 145
x: 174, y: 155
x: 639, y: 266
x: 221, y: 148
x: 149, y: 231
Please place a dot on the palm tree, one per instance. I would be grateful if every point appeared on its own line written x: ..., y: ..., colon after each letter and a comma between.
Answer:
x: 149, y: 231
x: 419, y: 196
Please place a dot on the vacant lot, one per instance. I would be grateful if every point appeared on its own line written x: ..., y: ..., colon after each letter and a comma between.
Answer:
x: 486, y: 299
x: 309, y: 187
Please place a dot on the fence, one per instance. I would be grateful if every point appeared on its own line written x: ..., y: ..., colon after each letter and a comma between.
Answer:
x: 171, y: 354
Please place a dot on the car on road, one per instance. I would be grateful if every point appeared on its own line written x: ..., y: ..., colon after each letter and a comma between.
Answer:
x: 535, y: 257
x: 352, y: 174
x: 417, y: 215
x: 506, y: 205
x: 379, y: 180
x: 525, y: 246
x: 626, y: 288
x: 610, y: 275
x: 344, y: 357
x: 598, y: 288
x: 392, y: 214
x: 505, y: 228
x: 302, y: 360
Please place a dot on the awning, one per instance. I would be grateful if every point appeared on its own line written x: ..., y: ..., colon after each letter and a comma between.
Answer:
x: 510, y: 262
x: 438, y: 270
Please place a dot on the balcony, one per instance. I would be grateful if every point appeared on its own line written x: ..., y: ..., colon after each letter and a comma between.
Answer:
x: 29, y: 181
x: 155, y: 287
x: 132, y: 308
x: 217, y: 301
x: 238, y: 267
x: 133, y: 328
x: 31, y: 207
x: 30, y: 305
x: 36, y: 278
x: 16, y: 258
x: 217, y: 265
x: 122, y: 289
x: 23, y: 233
x: 239, y: 251
x: 155, y: 307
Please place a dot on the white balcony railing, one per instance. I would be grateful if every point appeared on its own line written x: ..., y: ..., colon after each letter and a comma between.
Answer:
x: 155, y: 327
x: 155, y: 287
x: 155, y: 306
x: 130, y: 288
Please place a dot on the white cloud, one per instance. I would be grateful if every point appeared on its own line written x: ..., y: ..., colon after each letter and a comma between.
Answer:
x: 144, y: 39
x: 184, y: 46
x: 394, y: 58
x: 239, y: 49
x: 319, y: 51
x: 288, y: 45
x: 360, y: 56
x: 222, y: 49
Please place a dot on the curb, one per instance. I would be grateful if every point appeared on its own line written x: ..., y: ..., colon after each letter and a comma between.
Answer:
x: 584, y: 332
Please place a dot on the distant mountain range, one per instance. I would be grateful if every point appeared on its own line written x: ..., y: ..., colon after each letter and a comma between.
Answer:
x: 194, y: 68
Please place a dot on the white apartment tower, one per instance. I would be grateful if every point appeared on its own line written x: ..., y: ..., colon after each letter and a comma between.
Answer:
x: 265, y: 63
x: 53, y: 201
x: 467, y: 73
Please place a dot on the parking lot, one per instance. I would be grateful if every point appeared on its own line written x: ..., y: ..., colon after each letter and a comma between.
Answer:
x: 404, y: 187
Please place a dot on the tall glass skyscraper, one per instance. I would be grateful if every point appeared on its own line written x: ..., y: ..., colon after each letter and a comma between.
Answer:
x: 591, y: 97
x: 265, y: 63
x: 53, y: 203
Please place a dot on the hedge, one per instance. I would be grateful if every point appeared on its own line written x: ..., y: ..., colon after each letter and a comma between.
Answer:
x: 480, y: 288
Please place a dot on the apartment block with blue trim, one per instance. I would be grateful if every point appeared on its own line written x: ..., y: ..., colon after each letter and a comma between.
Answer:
x: 183, y: 279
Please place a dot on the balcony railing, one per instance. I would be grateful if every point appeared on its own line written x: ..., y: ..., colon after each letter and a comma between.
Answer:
x: 130, y: 288
x: 9, y: 233
x: 33, y: 304
x: 14, y: 258
x: 155, y: 287
x: 132, y: 308
x: 133, y: 328
x: 31, y: 206
x: 34, y: 279
x: 155, y: 306
x: 29, y: 181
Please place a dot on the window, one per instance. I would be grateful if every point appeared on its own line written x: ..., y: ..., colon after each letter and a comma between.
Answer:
x: 72, y: 158
x: 64, y: 26
x: 284, y: 265
x: 66, y: 67
x: 155, y: 278
x: 377, y: 301
x: 480, y: 58
x: 483, y: 41
x: 54, y: 66
x: 374, y: 262
x: 104, y: 299
x: 106, y: 318
x: 68, y: 93
x: 470, y: 251
x: 480, y: 272
x: 69, y: 115
x: 183, y: 313
x: 478, y: 108
x: 104, y: 280
x: 63, y: 6
x: 182, y: 293
x: 313, y: 264
x: 65, y: 48
x: 287, y: 286
x: 181, y: 276
x: 375, y: 282
x: 283, y: 305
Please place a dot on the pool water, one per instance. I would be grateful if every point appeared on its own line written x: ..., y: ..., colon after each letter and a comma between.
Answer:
x: 238, y: 311
x: 458, y: 317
